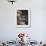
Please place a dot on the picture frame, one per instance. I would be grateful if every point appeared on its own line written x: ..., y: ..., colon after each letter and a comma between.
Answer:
x: 23, y: 17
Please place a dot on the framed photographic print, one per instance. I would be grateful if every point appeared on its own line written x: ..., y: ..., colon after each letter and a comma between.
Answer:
x: 23, y: 17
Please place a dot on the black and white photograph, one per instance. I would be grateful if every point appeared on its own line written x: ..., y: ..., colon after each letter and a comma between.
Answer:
x: 23, y: 17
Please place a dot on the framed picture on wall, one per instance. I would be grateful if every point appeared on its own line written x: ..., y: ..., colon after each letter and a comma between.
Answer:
x: 23, y: 16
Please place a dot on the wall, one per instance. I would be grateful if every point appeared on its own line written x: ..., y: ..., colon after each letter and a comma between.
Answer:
x: 8, y: 28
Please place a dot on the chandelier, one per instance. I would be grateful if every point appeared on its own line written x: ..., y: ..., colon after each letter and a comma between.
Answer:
x: 12, y: 1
